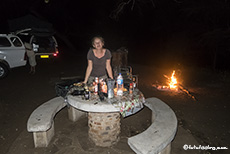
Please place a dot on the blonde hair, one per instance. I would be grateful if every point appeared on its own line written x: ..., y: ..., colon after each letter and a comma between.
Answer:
x: 97, y: 37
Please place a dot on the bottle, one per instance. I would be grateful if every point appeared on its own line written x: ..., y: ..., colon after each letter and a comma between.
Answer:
x: 104, y: 87
x: 130, y: 88
x: 100, y: 85
x: 96, y: 85
x: 134, y: 83
x: 101, y: 95
x: 120, y: 85
x: 87, y: 93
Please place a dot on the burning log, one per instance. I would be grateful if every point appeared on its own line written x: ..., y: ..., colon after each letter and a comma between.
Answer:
x: 173, y: 85
x: 187, y: 92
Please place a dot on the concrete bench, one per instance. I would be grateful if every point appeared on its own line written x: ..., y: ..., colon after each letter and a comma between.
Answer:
x: 158, y: 137
x: 41, y: 121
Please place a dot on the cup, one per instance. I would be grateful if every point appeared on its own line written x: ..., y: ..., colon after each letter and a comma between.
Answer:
x: 110, y: 88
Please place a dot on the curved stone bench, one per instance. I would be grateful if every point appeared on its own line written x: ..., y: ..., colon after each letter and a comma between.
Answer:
x: 158, y: 137
x: 41, y: 121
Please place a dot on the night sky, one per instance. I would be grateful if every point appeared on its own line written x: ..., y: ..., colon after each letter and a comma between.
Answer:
x: 179, y: 30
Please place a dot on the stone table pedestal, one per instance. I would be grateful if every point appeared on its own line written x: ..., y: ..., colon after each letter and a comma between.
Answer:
x: 104, y: 128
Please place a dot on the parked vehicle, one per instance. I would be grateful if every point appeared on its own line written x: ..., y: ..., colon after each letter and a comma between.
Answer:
x: 45, y: 46
x: 12, y: 53
x: 43, y: 42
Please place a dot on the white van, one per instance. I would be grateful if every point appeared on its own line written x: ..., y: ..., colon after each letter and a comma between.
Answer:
x: 12, y: 53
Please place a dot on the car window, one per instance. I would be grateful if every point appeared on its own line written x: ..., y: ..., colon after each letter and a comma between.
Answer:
x: 4, y: 42
x: 16, y: 41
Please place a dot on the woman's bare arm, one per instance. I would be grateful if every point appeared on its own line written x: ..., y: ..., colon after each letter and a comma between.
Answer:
x: 109, y: 68
x: 88, y: 71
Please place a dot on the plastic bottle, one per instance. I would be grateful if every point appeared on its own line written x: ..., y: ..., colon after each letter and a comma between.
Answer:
x: 134, y: 83
x: 120, y: 85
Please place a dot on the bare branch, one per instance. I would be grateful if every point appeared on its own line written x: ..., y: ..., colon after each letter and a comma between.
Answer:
x: 133, y: 5
x: 153, y: 3
x: 178, y: 1
x: 121, y: 6
x: 119, y: 9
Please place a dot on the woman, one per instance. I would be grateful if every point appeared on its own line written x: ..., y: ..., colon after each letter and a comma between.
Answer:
x: 98, y: 61
x: 31, y: 55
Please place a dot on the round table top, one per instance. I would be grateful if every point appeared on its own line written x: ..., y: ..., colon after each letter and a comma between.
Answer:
x: 127, y: 104
x: 91, y: 105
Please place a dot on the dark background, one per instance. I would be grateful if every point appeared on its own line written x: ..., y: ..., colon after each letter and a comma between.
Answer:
x: 162, y: 32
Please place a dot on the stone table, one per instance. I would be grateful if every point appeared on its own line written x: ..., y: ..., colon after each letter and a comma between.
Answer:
x: 104, y: 116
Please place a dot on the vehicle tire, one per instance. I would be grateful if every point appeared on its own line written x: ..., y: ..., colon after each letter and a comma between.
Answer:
x: 3, y: 70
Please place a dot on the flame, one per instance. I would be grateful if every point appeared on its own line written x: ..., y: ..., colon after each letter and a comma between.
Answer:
x: 173, y: 82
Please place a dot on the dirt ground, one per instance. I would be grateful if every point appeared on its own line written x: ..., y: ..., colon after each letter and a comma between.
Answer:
x: 206, y: 119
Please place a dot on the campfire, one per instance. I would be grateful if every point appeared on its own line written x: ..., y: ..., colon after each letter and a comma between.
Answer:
x: 172, y: 84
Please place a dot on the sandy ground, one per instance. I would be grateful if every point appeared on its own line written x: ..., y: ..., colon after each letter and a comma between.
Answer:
x: 205, y: 120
